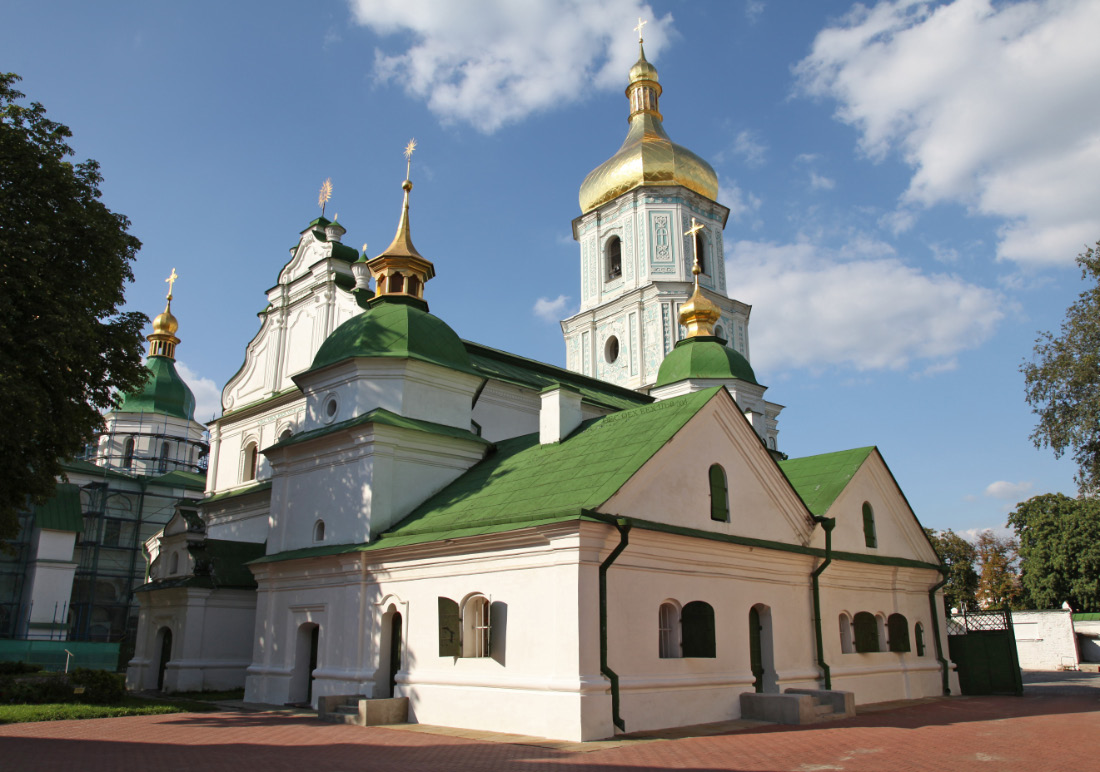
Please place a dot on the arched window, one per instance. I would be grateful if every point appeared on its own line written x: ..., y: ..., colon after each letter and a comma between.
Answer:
x: 719, y: 495
x: 414, y: 286
x: 476, y: 627
x: 285, y: 434
x: 614, y: 260
x: 128, y: 453
x: 918, y: 633
x: 898, y: 627
x: 869, y: 537
x: 162, y: 464
x: 668, y: 626
x: 701, y: 250
x: 319, y: 530
x: 396, y: 283
x: 174, y: 564
x: 697, y: 630
x: 847, y: 644
x: 866, y: 632
x: 251, y: 462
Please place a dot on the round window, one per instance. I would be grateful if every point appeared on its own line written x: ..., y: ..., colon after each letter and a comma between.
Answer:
x: 611, y: 349
x: 329, y: 409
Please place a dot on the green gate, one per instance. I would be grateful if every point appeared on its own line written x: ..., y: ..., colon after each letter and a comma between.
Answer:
x: 983, y: 647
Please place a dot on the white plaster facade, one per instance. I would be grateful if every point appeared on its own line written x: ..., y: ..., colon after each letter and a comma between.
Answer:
x: 1046, y: 640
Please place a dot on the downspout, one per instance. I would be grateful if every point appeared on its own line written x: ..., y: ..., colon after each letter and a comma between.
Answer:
x: 828, y: 523
x: 944, y: 665
x: 623, y: 526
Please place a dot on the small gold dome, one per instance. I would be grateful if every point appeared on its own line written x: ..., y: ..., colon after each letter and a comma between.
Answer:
x: 699, y: 315
x: 647, y: 155
x: 165, y: 323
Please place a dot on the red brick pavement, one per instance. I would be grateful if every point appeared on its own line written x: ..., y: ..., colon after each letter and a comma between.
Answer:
x: 989, y: 733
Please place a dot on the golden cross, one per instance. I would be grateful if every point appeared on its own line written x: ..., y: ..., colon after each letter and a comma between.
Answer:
x: 326, y: 194
x: 638, y: 29
x: 171, y: 280
x: 695, y: 228
x: 409, y: 148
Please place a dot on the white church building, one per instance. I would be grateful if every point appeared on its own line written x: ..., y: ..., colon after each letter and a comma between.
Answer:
x: 619, y: 545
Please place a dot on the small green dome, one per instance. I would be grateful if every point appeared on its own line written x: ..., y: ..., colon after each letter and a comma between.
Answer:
x: 395, y: 326
x: 165, y: 392
x: 704, y: 356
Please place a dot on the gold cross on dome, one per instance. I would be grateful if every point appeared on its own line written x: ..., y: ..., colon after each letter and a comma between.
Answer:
x: 171, y: 280
x: 695, y: 228
x: 638, y: 29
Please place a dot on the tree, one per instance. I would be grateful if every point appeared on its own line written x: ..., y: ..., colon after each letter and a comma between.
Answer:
x: 1063, y: 386
x: 961, y: 590
x: 1059, y: 550
x: 65, y: 347
x: 998, y: 581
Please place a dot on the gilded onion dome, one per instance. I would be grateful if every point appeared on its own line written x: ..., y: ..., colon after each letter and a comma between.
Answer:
x: 647, y: 155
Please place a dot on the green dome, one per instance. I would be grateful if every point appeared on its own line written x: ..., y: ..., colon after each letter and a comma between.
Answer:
x: 395, y: 326
x: 703, y: 356
x: 164, y: 392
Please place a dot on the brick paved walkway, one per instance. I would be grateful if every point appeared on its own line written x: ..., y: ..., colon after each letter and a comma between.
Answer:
x: 1051, y: 730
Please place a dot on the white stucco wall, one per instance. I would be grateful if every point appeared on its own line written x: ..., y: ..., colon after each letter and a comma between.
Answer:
x: 1045, y: 640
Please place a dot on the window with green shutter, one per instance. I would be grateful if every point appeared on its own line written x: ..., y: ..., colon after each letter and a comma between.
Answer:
x: 897, y: 627
x: 869, y: 526
x: 918, y: 633
x: 719, y: 495
x: 697, y: 630
x: 866, y: 632
x: 449, y: 626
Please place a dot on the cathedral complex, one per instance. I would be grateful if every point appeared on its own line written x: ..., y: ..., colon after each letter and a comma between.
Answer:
x: 398, y: 516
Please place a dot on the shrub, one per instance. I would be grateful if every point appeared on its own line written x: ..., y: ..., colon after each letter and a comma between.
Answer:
x: 17, y: 668
x: 100, y: 686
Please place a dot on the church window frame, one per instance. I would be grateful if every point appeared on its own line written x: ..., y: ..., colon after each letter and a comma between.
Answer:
x: 128, y: 453
x: 700, y: 250
x: 329, y: 408
x: 319, y: 530
x: 250, y: 461
x: 613, y: 258
x: 611, y: 350
x: 870, y: 537
x: 162, y: 459
x: 719, y: 494
x: 847, y: 640
x: 697, y: 631
x: 174, y: 564
x: 476, y: 627
x: 668, y: 631
x: 395, y: 283
x: 918, y: 635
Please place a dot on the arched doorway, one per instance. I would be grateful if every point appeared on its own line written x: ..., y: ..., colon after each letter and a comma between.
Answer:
x: 305, y: 662
x: 390, y: 646
x: 761, y: 653
x: 165, y: 636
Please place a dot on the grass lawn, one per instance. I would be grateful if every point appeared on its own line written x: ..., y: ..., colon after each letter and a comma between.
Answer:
x: 129, y: 706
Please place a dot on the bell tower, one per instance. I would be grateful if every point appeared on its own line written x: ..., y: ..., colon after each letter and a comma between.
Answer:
x: 636, y: 248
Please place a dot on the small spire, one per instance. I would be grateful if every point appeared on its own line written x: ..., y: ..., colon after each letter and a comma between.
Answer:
x: 698, y: 314
x: 400, y: 269
x: 163, y: 340
x: 326, y: 194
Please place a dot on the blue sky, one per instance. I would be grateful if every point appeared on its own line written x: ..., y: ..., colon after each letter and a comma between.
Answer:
x: 909, y: 183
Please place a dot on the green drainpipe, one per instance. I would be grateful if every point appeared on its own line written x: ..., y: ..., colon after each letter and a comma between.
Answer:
x: 828, y: 523
x: 936, y: 633
x: 623, y: 525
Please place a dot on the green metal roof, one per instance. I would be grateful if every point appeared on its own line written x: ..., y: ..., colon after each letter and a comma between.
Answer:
x: 395, y: 326
x: 192, y: 481
x: 224, y: 561
x: 520, y: 371
x: 165, y: 392
x: 820, y: 479
x: 254, y: 488
x: 703, y: 357
x: 62, y: 512
x: 525, y: 483
x: 382, y: 416
x: 93, y: 470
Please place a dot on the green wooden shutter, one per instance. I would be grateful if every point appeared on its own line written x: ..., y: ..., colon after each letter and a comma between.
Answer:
x: 697, y: 629
x: 920, y: 639
x: 869, y: 526
x: 449, y: 626
x: 898, y: 630
x: 866, y: 630
x: 719, y: 494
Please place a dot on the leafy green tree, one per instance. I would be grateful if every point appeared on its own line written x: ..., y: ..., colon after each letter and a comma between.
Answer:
x: 998, y: 580
x: 1063, y: 385
x: 64, y: 345
x: 959, y: 555
x: 1059, y: 551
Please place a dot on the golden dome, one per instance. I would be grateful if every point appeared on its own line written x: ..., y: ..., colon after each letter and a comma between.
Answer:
x: 647, y: 155
x: 165, y: 323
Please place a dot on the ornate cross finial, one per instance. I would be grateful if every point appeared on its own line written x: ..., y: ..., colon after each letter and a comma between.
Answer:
x: 409, y: 148
x: 695, y: 228
x: 326, y: 194
x: 638, y: 29
x: 171, y: 280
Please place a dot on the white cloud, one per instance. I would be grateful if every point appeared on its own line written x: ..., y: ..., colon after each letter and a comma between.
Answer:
x: 551, y: 310
x: 208, y: 397
x: 972, y: 534
x: 749, y: 147
x: 819, y: 182
x: 1007, y: 491
x: 738, y: 201
x: 494, y: 62
x: 754, y: 9
x: 856, y: 307
x: 994, y: 105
